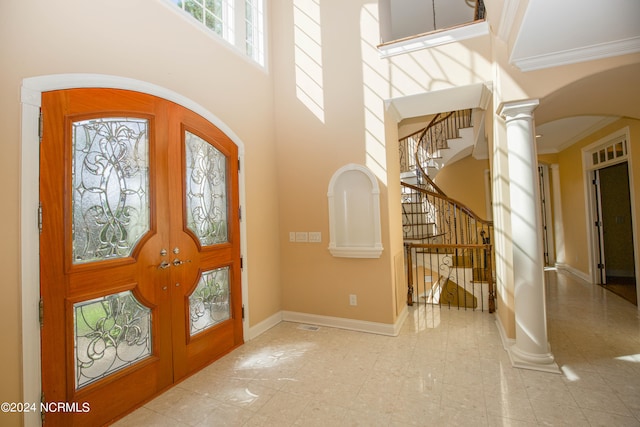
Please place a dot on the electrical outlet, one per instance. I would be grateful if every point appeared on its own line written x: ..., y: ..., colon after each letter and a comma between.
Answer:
x: 353, y: 300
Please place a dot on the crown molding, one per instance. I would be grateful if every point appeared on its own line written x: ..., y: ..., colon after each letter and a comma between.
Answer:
x: 572, y: 56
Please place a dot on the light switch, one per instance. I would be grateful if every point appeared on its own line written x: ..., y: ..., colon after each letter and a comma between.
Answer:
x: 302, y: 236
x: 315, y: 236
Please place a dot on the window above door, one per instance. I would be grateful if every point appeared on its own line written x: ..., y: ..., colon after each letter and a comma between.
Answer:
x: 238, y: 22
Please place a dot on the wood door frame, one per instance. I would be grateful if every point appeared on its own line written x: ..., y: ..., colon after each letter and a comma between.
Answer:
x: 31, y: 95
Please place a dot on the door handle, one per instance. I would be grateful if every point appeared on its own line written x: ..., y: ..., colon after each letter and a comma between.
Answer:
x: 163, y: 265
x: 177, y: 262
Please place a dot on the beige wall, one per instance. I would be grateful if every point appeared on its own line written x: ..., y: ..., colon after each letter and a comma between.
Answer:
x: 328, y: 114
x: 464, y: 181
x: 131, y: 39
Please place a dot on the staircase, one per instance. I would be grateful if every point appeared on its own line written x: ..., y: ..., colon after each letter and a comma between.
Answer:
x: 448, y: 251
x: 447, y: 137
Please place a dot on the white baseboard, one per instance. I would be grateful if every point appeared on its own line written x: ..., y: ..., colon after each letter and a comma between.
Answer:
x: 350, y: 324
x: 506, y: 341
x: 329, y: 321
x: 264, y: 326
x: 578, y: 273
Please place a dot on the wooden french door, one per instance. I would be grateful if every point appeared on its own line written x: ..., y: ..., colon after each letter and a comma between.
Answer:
x: 139, y: 249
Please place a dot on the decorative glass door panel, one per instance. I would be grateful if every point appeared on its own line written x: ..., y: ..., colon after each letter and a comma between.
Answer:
x: 110, y: 170
x: 111, y: 333
x: 209, y: 302
x: 140, y: 278
x: 206, y: 171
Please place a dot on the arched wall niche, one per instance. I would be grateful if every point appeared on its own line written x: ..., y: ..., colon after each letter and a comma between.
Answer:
x: 354, y: 213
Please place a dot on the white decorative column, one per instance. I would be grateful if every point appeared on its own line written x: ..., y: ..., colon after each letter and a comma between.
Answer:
x: 531, y: 347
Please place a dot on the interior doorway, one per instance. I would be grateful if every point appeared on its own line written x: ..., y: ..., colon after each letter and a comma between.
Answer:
x: 614, y: 224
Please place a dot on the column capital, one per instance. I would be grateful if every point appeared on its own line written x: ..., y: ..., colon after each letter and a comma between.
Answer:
x: 512, y: 109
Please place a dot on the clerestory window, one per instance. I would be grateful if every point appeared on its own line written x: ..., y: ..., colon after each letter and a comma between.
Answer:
x: 238, y: 22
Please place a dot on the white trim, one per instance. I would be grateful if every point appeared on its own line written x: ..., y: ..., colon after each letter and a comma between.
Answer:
x: 350, y: 324
x: 328, y: 321
x: 572, y: 56
x: 264, y: 326
x: 438, y: 38
x: 475, y: 96
x: 588, y: 168
x: 31, y: 93
x: 558, y: 221
x: 30, y: 252
x: 506, y: 341
x: 507, y: 18
x: 356, y: 249
x: 586, y: 277
x: 519, y: 359
x: 548, y: 230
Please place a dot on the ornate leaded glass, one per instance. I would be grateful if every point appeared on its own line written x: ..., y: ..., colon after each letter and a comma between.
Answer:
x: 110, y: 201
x: 206, y: 190
x: 209, y: 302
x: 111, y: 333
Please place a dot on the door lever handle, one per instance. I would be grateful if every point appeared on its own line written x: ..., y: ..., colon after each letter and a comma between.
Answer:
x: 163, y: 265
x: 178, y: 262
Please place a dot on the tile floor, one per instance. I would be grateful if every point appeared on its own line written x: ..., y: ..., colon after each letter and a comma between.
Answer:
x: 446, y: 368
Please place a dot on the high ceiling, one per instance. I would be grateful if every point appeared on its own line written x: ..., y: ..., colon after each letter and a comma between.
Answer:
x: 551, y: 33
x: 554, y: 33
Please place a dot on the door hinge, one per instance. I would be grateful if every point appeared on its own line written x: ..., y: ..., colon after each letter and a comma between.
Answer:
x: 41, y: 312
x: 594, y: 182
x: 600, y: 266
x: 239, y: 213
x: 598, y: 223
x: 242, y: 311
x: 40, y: 218
x: 40, y: 126
x: 241, y: 263
x: 238, y: 165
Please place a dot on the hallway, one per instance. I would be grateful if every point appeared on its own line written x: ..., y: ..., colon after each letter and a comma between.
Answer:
x: 447, y: 367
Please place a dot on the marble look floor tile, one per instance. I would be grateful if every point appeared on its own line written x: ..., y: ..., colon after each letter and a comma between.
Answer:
x: 510, y: 407
x: 446, y: 368
x: 365, y: 418
x: 455, y: 416
x: 144, y: 417
x: 558, y: 414
x: 607, y: 419
x: 494, y: 421
x: 317, y: 414
x: 225, y: 416
x: 603, y: 400
x: 183, y: 405
x: 285, y: 407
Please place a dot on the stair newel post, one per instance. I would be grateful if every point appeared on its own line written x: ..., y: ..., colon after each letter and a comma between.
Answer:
x: 488, y: 269
x: 409, y: 275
